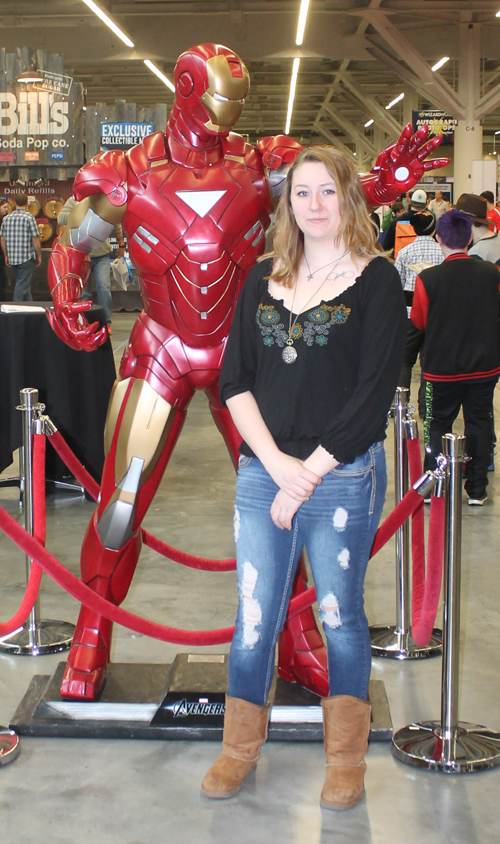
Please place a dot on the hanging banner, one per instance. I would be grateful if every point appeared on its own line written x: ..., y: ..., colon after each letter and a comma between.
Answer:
x: 41, y: 123
x: 439, y: 123
x: 123, y: 135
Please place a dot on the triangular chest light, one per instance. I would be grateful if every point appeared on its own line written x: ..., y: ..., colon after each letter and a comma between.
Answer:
x: 200, y: 201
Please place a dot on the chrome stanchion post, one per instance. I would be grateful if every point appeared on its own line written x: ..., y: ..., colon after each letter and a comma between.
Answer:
x: 403, y: 608
x: 29, y: 406
x: 453, y: 448
x: 10, y: 746
x: 36, y: 637
x: 450, y: 745
x: 394, y: 640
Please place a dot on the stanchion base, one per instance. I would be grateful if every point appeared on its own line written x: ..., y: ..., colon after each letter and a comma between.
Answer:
x: 50, y: 637
x: 10, y: 746
x: 421, y: 745
x: 385, y: 642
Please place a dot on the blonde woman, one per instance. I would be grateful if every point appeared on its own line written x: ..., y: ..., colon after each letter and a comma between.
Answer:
x: 309, y: 374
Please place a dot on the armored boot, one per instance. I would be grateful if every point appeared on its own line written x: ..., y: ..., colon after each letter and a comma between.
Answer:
x: 109, y: 573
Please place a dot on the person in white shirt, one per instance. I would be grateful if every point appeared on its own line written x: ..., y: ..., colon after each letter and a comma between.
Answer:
x: 439, y: 205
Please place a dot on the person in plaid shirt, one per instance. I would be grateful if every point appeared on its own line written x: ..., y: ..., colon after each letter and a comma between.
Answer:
x: 21, y: 246
x: 424, y: 250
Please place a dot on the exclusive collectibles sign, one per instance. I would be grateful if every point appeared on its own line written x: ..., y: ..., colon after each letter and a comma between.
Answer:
x: 40, y: 123
x: 439, y: 123
x: 123, y: 135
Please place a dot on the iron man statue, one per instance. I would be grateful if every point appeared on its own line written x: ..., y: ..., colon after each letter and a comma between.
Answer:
x: 195, y: 202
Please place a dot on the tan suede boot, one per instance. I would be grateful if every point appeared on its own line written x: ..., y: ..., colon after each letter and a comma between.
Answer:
x: 346, y: 726
x: 245, y: 730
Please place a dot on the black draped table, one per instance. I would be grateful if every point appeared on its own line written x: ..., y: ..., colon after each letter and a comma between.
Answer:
x: 74, y: 386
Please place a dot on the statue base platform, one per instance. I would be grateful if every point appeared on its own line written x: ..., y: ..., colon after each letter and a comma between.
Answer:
x: 183, y: 701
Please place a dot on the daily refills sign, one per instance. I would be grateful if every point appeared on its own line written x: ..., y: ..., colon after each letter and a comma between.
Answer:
x: 123, y: 135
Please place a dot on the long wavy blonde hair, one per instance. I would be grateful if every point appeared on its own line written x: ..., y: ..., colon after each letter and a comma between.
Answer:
x: 356, y: 231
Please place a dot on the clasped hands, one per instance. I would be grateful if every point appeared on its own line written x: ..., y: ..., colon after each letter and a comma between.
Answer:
x: 296, y: 484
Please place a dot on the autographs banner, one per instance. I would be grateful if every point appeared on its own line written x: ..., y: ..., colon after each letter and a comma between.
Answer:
x: 124, y: 135
x: 40, y: 122
x: 439, y: 123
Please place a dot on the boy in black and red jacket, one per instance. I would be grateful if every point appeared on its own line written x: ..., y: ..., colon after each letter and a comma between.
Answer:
x: 457, y: 304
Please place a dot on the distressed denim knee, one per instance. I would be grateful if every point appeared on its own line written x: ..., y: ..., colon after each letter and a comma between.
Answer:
x: 266, y: 561
x: 337, y: 526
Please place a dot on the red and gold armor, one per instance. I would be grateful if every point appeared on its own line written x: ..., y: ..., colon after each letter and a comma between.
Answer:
x: 195, y: 202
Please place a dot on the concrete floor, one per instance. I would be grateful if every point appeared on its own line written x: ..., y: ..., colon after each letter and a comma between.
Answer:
x: 138, y: 792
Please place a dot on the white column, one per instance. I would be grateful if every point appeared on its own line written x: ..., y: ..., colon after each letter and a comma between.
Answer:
x: 469, y: 132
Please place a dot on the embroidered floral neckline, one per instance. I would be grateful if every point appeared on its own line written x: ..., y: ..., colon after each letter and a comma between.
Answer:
x: 316, y: 328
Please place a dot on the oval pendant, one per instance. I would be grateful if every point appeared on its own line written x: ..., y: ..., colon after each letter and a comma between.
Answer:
x: 289, y: 354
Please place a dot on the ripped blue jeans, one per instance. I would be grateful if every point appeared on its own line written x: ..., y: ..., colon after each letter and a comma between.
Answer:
x: 336, y: 526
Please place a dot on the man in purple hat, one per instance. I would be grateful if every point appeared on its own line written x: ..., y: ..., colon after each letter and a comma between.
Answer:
x: 457, y: 304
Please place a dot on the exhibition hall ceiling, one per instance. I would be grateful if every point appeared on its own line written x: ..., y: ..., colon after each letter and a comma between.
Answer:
x: 355, y: 57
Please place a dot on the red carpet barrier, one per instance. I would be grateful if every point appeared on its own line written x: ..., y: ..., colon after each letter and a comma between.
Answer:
x: 426, y: 588
x: 425, y: 607
x: 74, y: 586
x: 82, y: 593
x: 165, y: 550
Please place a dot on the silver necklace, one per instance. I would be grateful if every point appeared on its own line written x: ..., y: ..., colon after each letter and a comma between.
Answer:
x: 335, y: 261
x: 289, y: 353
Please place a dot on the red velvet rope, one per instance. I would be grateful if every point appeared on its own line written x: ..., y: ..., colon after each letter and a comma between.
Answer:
x: 417, y: 533
x: 75, y: 467
x: 186, y: 559
x: 423, y: 623
x: 306, y: 599
x: 387, y: 529
x: 426, y: 588
x: 153, y: 542
x: 95, y: 602
x: 39, y: 515
x: 394, y: 520
x: 39, y: 524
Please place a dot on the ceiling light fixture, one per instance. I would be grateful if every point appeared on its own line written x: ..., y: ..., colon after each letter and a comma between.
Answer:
x: 31, y: 74
x: 304, y: 8
x: 291, y: 97
x: 440, y: 63
x: 156, y: 70
x: 369, y: 122
x: 105, y: 19
x: 394, y: 101
x: 497, y: 133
